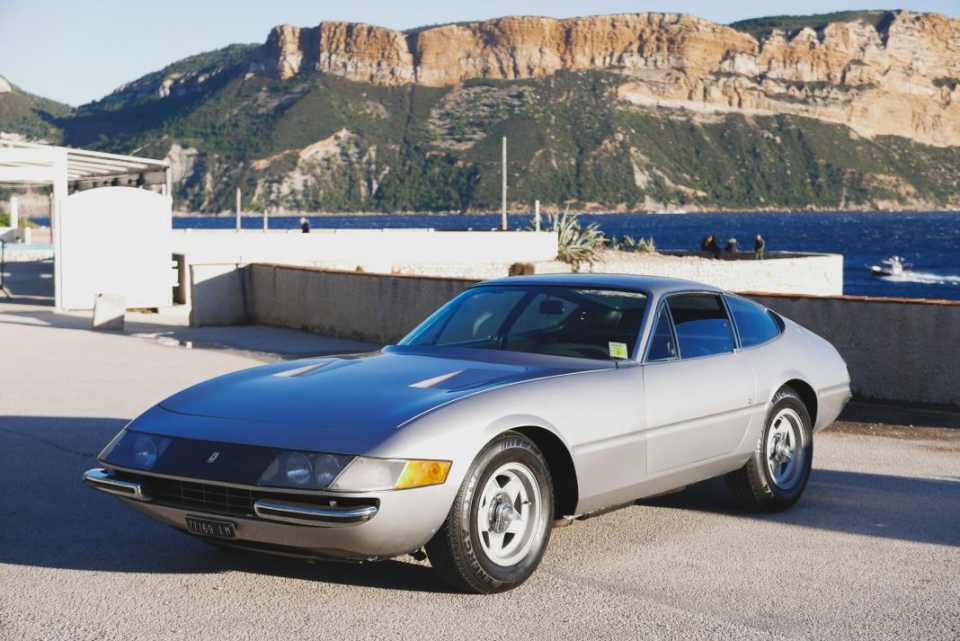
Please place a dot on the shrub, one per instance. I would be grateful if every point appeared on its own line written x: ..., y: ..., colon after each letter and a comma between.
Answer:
x: 576, y: 244
x: 638, y: 244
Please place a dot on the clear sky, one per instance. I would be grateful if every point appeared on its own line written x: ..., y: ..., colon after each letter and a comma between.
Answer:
x: 76, y: 51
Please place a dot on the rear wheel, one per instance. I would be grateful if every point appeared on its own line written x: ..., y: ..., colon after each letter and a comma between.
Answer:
x: 498, y: 527
x: 777, y: 474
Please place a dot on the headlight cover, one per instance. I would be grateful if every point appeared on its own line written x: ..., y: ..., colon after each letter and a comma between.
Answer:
x: 136, y: 450
x: 303, y: 470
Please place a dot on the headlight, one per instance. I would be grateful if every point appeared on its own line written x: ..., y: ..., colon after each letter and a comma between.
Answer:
x: 297, y: 469
x: 326, y: 468
x: 303, y: 470
x: 145, y: 451
x: 135, y: 450
x: 306, y: 470
x: 372, y: 474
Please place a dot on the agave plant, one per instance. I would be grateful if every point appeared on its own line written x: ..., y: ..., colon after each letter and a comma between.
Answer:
x: 638, y: 244
x: 576, y: 244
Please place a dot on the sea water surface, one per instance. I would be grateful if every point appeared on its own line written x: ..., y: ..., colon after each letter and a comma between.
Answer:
x: 928, y: 241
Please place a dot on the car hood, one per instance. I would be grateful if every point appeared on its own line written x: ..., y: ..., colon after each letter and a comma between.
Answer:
x: 376, y: 391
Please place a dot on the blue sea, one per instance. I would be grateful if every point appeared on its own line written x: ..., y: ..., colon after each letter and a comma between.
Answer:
x: 930, y: 242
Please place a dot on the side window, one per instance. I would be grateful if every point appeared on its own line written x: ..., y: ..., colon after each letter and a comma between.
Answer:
x: 755, y: 324
x: 663, y: 346
x: 701, y: 324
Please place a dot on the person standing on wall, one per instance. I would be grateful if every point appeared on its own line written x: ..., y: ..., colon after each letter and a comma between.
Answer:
x: 709, y: 244
x: 759, y: 244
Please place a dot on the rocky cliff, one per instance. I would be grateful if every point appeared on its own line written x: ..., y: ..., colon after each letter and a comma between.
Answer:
x: 900, y: 77
x: 612, y: 113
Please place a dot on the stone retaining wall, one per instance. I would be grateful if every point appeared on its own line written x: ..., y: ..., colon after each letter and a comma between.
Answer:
x: 896, y: 350
x: 367, y: 307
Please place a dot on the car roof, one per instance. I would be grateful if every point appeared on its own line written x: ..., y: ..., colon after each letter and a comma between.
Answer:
x: 655, y: 285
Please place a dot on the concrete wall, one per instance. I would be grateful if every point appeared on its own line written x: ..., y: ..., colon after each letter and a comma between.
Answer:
x: 807, y: 274
x: 368, y: 307
x: 219, y: 294
x: 373, y: 250
x: 15, y: 234
x: 897, y: 350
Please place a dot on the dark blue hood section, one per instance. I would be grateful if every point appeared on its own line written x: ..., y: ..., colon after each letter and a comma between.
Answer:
x: 369, y: 392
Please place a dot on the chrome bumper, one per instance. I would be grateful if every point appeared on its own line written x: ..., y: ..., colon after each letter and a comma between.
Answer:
x: 271, y: 510
x: 98, y: 479
x: 318, y: 517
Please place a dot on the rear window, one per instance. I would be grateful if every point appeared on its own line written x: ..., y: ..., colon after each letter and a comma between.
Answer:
x: 755, y: 324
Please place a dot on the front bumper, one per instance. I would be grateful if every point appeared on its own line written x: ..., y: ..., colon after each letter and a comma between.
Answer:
x: 372, y: 526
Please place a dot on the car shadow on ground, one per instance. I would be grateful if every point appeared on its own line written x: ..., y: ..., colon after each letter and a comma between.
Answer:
x: 51, y: 519
x: 891, y: 507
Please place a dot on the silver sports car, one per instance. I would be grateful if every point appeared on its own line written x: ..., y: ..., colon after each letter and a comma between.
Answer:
x: 522, y: 403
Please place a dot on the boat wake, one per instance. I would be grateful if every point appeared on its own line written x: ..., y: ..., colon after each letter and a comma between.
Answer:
x: 924, y: 278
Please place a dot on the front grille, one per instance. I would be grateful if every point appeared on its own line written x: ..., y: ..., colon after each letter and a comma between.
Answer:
x: 202, y: 496
x: 220, y: 499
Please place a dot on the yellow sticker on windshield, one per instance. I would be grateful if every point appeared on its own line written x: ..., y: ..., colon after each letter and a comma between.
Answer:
x: 618, y: 350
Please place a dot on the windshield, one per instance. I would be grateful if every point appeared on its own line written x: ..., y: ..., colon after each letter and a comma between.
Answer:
x: 563, y: 321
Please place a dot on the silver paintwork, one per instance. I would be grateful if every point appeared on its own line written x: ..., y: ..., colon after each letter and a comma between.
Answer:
x: 631, y: 429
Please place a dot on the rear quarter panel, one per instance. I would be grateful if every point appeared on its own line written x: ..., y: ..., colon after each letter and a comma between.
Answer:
x: 799, y: 354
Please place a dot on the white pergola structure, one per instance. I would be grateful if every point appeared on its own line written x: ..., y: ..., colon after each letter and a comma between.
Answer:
x: 69, y: 171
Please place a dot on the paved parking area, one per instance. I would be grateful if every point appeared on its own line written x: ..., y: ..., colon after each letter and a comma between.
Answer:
x: 871, y: 552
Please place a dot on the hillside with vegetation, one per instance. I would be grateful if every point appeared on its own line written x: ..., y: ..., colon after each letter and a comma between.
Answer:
x: 762, y: 27
x: 386, y: 131
x: 29, y: 116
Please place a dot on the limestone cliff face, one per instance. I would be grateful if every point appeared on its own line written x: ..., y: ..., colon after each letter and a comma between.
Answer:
x: 900, y: 79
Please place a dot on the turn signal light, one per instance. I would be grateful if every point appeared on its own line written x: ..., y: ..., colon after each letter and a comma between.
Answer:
x: 422, y: 473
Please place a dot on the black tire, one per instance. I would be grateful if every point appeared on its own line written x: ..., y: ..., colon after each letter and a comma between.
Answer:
x: 501, y: 550
x: 776, y: 475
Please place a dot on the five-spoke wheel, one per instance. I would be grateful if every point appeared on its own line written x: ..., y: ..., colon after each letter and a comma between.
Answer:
x: 498, y: 527
x: 508, y: 514
x: 776, y: 476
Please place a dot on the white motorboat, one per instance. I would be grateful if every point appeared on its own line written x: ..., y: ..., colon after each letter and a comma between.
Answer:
x: 892, y: 266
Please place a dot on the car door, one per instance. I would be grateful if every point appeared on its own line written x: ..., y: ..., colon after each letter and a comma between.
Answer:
x: 698, y: 389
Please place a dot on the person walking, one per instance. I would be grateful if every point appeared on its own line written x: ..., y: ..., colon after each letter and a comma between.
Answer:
x: 759, y: 244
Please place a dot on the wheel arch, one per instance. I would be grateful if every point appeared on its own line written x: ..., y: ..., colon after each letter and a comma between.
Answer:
x: 566, y: 489
x: 807, y: 395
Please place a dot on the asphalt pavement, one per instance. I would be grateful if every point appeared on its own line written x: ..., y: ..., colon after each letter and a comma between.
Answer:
x: 872, y: 551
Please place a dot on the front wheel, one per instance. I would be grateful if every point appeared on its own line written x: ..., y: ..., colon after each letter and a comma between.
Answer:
x: 499, y: 525
x: 777, y: 474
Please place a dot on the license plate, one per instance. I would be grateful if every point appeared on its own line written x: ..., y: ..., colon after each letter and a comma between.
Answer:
x: 207, y: 527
